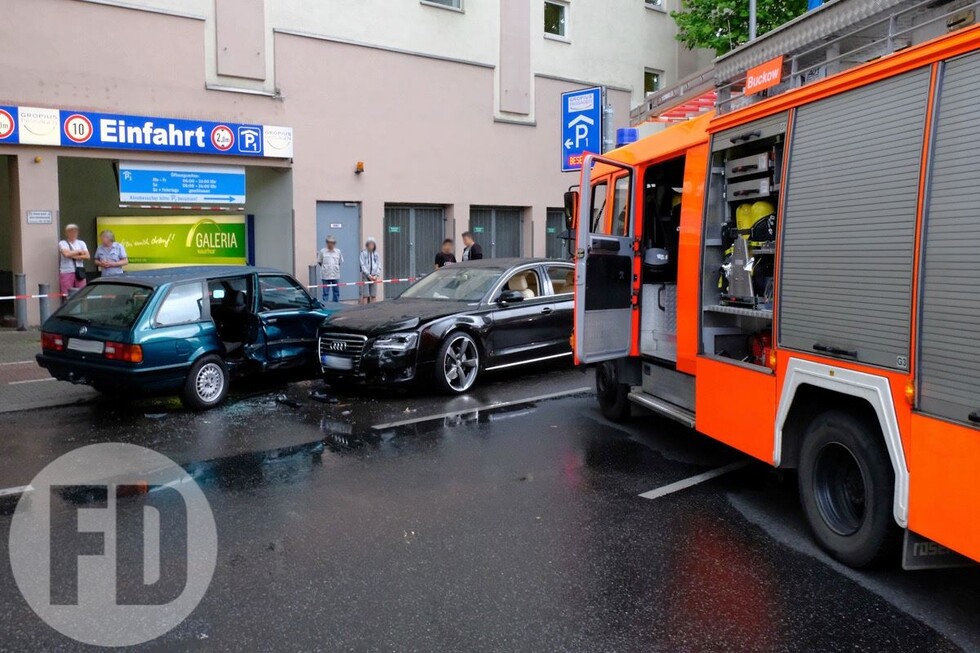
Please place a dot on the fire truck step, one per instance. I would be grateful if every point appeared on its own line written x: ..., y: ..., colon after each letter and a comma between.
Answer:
x: 665, y: 408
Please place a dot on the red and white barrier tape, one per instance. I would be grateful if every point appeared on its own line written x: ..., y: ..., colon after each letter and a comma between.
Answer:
x: 12, y: 297
x: 55, y: 295
x: 363, y: 283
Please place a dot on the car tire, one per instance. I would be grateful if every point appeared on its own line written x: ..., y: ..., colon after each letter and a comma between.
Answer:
x: 207, y: 383
x: 457, y: 363
x: 612, y: 395
x: 847, y: 488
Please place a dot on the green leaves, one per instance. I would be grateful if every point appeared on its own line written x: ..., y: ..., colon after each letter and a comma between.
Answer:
x: 723, y: 25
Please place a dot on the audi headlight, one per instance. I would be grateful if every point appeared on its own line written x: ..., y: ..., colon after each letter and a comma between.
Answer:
x: 397, y: 341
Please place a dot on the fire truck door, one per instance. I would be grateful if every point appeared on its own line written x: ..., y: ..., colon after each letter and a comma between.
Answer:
x: 604, y: 262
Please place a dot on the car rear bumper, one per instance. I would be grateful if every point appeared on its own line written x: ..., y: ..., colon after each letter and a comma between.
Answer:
x: 111, y: 376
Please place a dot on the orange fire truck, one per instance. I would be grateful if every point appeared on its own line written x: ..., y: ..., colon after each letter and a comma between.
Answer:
x: 800, y: 279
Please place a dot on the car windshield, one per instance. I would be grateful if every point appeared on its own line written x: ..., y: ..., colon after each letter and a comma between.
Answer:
x: 461, y: 284
x: 106, y: 304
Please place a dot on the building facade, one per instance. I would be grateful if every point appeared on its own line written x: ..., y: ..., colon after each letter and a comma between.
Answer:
x: 405, y: 120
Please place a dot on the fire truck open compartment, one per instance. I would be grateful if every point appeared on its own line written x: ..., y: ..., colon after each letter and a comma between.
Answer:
x: 741, y: 219
x: 662, y: 197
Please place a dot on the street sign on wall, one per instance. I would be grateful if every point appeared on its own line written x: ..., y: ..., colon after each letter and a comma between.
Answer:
x: 176, y: 183
x: 581, y: 126
x: 112, y: 131
x: 159, y: 242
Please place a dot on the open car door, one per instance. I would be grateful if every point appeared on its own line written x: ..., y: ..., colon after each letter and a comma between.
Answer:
x: 604, y: 261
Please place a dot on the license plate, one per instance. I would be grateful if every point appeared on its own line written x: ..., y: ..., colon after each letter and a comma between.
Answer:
x: 337, y: 362
x: 86, y: 346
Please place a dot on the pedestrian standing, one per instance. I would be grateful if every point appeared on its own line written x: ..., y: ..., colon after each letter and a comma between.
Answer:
x: 330, y: 258
x: 446, y: 255
x: 110, y: 256
x: 471, y: 249
x: 370, y: 262
x: 71, y: 266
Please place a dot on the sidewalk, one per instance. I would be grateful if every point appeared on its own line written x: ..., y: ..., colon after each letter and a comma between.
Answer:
x: 23, y: 384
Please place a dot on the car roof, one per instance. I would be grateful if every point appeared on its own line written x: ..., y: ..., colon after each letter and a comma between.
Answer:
x: 154, y: 278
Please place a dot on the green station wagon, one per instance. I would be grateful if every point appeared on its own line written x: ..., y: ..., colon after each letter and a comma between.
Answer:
x: 186, y: 330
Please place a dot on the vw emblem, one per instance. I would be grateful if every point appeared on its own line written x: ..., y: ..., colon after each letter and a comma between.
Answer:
x: 338, y: 345
x: 83, y: 331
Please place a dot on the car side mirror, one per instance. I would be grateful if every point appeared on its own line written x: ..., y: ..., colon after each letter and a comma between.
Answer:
x: 571, y: 209
x: 510, y: 297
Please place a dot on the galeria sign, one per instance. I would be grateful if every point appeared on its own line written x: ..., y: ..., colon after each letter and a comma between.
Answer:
x: 159, y: 242
x: 764, y: 76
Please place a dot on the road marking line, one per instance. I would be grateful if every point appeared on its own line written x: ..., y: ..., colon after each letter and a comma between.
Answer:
x: 32, y: 381
x: 15, y: 491
x: 17, y: 363
x: 694, y: 480
x: 499, y: 404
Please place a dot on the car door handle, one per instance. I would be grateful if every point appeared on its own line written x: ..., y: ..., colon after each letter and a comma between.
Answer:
x: 547, y: 310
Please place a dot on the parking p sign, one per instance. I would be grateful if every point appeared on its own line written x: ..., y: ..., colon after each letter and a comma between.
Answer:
x: 581, y: 126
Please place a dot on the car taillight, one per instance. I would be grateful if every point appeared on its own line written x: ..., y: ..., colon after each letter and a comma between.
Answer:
x: 52, y: 342
x: 119, y: 351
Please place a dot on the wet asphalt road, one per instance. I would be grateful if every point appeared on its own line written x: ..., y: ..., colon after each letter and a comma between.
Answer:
x: 516, y: 528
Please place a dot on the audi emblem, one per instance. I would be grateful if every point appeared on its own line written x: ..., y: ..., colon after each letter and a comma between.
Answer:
x: 338, y: 345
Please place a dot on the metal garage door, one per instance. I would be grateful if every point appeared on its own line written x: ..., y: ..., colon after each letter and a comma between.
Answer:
x: 554, y: 226
x: 498, y: 229
x: 849, y: 222
x: 412, y: 237
x: 949, y: 371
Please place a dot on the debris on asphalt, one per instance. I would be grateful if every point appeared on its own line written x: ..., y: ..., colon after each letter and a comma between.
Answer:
x: 286, y: 401
x: 323, y: 396
x: 410, y: 410
x: 346, y: 413
x: 155, y: 415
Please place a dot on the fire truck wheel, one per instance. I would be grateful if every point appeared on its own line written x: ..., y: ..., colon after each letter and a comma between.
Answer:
x: 611, y: 393
x: 846, y: 487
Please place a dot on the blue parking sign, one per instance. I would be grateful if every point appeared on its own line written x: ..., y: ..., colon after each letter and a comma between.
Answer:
x: 581, y: 126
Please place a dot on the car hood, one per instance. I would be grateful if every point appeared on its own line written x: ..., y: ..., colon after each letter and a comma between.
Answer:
x: 393, y: 315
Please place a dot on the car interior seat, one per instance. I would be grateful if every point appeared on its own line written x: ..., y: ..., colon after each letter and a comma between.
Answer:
x: 229, y: 317
x: 519, y: 282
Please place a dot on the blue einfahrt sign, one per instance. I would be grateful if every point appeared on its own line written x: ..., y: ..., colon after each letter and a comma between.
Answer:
x: 66, y: 128
x: 187, y: 184
x: 581, y: 126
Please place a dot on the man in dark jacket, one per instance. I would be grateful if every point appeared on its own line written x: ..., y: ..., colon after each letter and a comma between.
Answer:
x: 471, y: 249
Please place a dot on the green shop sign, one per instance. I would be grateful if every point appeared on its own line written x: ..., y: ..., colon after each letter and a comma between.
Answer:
x: 159, y: 242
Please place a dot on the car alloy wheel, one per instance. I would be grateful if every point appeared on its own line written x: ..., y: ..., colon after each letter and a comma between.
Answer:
x: 461, y: 363
x: 209, y: 383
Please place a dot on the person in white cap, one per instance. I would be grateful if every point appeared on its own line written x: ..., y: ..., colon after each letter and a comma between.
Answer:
x: 370, y: 262
x: 330, y: 259
x: 71, y: 266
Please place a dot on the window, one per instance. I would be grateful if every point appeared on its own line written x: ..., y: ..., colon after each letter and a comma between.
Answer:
x: 450, y: 4
x: 652, y: 80
x: 107, y: 304
x: 562, y: 279
x: 279, y: 292
x: 655, y: 4
x: 184, y: 303
x: 526, y: 283
x: 598, y: 205
x: 621, y: 206
x: 556, y: 19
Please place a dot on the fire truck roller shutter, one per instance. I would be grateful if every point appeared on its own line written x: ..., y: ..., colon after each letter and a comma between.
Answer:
x: 949, y: 369
x: 849, y: 222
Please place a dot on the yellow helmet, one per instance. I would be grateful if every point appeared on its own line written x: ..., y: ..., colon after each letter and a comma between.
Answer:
x: 761, y: 209
x: 743, y: 216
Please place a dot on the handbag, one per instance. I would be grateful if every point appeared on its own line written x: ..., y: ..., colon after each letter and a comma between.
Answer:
x: 80, y: 273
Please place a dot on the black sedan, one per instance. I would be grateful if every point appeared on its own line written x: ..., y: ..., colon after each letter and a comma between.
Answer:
x: 453, y: 324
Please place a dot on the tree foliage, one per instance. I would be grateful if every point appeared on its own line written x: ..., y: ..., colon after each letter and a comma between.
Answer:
x: 723, y: 25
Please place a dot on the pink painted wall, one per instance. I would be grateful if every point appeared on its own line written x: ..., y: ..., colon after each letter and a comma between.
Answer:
x: 424, y: 127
